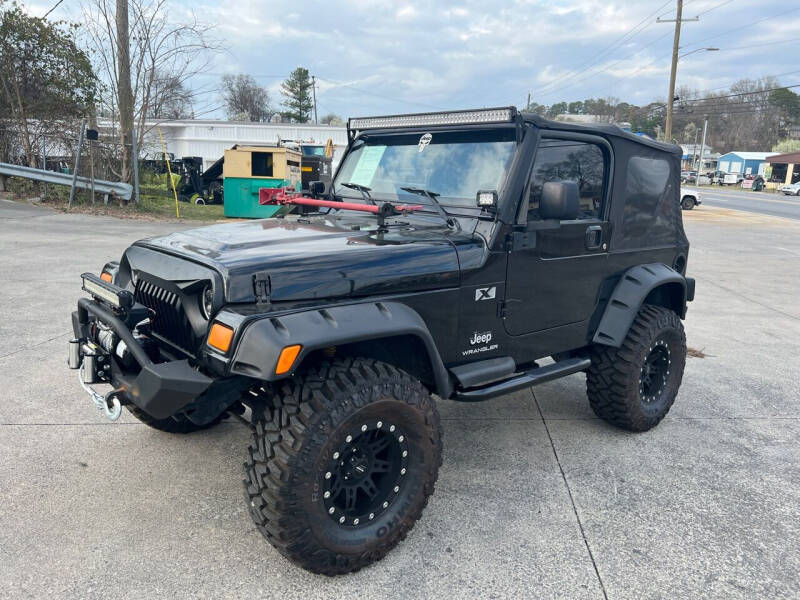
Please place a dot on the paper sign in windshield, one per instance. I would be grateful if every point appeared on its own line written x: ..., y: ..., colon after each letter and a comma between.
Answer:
x: 368, y: 162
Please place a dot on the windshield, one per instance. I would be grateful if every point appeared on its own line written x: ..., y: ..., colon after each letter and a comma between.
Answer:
x: 452, y: 165
x: 314, y: 150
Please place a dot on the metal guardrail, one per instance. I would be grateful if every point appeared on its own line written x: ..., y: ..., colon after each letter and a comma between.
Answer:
x: 122, y: 190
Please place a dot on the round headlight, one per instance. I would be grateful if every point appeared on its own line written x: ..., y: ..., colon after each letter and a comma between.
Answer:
x: 207, y: 302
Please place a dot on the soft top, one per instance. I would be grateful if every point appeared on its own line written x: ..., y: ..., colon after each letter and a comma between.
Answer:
x: 603, y: 129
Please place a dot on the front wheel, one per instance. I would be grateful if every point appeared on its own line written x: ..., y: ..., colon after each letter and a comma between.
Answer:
x: 687, y: 203
x: 342, y: 464
x: 634, y: 386
x: 174, y: 424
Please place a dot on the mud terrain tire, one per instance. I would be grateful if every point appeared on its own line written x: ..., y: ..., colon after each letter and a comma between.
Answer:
x: 634, y: 386
x: 298, y: 478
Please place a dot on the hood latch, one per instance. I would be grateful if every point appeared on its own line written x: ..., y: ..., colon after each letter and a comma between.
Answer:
x: 262, y: 287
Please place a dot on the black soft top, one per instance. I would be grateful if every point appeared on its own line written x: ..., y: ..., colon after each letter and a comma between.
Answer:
x: 606, y: 130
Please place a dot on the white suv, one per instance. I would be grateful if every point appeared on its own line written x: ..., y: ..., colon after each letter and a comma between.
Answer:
x: 689, y: 199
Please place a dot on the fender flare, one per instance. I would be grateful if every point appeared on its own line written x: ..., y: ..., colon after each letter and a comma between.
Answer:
x: 261, y: 342
x: 628, y: 296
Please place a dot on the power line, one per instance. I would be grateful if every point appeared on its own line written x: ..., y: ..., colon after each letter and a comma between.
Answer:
x: 749, y: 25
x: 611, y: 66
x: 55, y: 6
x: 618, y: 42
x: 640, y: 69
x: 713, y: 7
x: 783, y: 87
x: 759, y: 45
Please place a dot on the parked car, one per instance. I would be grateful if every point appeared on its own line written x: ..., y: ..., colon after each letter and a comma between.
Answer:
x: 791, y: 189
x: 732, y: 179
x: 689, y: 199
x: 688, y: 176
x: 753, y: 182
x: 717, y: 177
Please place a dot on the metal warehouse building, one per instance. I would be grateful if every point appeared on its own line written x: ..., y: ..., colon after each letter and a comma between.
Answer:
x: 209, y: 139
x: 743, y: 162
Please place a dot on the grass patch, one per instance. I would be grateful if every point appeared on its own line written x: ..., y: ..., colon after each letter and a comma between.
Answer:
x: 154, y: 204
x: 165, y: 208
x: 695, y: 353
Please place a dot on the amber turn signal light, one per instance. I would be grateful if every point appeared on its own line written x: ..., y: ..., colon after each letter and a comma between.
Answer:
x: 106, y: 276
x: 220, y: 337
x: 287, y: 358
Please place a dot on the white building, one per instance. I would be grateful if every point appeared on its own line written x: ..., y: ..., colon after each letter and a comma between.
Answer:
x: 209, y: 138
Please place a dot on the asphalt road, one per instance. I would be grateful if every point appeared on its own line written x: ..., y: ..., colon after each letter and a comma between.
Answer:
x: 536, y: 498
x: 765, y: 203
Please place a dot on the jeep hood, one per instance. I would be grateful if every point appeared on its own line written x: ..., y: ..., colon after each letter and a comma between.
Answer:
x: 321, y: 258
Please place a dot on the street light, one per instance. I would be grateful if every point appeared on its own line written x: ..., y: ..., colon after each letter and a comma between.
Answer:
x: 699, y: 50
x: 673, y: 73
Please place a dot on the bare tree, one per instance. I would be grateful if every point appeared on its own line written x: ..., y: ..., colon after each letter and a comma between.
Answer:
x: 164, y: 57
x: 245, y: 100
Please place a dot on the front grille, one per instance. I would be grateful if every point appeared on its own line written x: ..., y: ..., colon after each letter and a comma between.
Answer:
x: 169, y: 321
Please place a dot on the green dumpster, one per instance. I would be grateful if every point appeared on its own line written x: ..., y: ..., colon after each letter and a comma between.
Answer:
x: 247, y: 169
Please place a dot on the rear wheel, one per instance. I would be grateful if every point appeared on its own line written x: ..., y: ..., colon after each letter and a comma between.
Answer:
x: 634, y: 386
x: 342, y: 464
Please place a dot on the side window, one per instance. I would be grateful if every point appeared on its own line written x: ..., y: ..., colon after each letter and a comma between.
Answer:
x: 567, y: 160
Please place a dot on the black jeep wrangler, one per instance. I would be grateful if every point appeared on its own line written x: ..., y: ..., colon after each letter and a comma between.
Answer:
x: 453, y: 254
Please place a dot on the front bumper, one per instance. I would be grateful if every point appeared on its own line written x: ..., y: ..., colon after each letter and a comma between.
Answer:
x: 161, y: 389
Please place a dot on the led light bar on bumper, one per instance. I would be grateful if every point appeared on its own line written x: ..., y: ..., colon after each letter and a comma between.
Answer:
x: 107, y: 292
x: 455, y: 117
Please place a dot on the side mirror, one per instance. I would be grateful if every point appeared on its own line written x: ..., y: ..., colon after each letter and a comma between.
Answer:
x: 317, y: 188
x: 559, y: 200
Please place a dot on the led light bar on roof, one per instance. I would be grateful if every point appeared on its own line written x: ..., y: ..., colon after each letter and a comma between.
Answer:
x: 456, y: 117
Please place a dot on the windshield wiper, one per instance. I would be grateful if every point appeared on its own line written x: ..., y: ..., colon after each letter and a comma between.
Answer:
x: 361, y: 188
x: 432, y: 195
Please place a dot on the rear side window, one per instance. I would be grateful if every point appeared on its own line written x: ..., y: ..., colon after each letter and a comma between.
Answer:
x: 649, y: 199
x: 566, y: 160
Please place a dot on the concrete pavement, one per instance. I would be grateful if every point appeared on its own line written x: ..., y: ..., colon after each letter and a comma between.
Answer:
x: 536, y: 498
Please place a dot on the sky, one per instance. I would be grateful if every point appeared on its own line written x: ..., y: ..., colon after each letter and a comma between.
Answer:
x: 394, y: 56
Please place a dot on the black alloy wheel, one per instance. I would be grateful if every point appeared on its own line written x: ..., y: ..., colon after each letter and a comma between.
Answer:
x: 366, y: 473
x: 655, y: 372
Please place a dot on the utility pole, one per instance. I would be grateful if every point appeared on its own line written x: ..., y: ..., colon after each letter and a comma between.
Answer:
x: 702, y: 148
x: 124, y: 88
x: 314, y: 92
x: 528, y: 105
x: 673, y: 71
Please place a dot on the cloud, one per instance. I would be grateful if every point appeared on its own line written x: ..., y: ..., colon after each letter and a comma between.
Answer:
x: 382, y: 56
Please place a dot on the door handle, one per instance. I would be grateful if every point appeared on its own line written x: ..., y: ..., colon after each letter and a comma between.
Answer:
x: 594, y: 237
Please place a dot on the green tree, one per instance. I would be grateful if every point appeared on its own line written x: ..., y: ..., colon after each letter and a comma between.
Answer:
x: 296, y: 91
x: 557, y: 109
x: 44, y: 76
x: 575, y: 108
x: 786, y: 146
x: 787, y: 102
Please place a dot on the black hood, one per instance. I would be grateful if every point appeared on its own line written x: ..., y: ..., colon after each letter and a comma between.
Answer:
x: 322, y: 258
